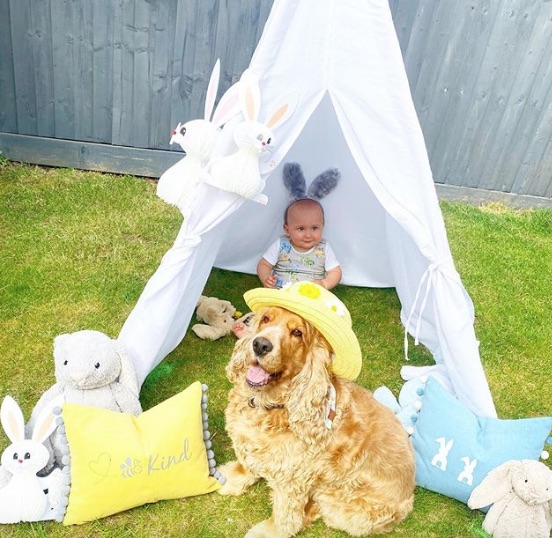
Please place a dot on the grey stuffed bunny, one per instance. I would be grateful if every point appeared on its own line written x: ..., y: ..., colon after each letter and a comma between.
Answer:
x: 520, y: 492
x: 91, y: 369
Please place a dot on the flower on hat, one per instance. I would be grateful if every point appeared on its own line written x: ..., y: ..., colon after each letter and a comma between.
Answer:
x: 337, y: 306
x: 309, y: 290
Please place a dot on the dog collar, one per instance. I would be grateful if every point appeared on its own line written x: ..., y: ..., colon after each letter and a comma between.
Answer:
x: 252, y: 403
x: 330, y: 406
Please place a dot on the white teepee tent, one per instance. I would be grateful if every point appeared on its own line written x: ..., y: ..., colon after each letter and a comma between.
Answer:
x: 339, y: 66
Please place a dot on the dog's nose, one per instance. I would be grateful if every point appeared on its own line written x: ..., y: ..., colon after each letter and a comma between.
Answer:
x: 261, y: 346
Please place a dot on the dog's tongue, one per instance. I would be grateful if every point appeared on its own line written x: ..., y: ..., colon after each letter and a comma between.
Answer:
x: 257, y: 376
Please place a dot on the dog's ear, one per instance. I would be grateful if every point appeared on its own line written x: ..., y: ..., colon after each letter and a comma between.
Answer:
x: 308, y: 396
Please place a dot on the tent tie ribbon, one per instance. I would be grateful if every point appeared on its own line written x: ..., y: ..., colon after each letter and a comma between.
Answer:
x: 427, y: 280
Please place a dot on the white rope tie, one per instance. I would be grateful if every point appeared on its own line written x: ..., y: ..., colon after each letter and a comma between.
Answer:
x: 427, y: 279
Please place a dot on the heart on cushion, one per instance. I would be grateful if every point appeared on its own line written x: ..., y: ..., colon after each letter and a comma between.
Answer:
x: 101, y: 466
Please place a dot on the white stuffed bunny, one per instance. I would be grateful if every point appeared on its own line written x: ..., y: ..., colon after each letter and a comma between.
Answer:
x: 520, y: 492
x: 26, y: 496
x: 240, y: 172
x: 91, y: 369
x: 197, y: 138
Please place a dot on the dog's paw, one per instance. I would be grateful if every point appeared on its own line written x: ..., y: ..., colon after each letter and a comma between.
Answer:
x: 238, y: 479
x: 266, y: 529
x: 230, y: 489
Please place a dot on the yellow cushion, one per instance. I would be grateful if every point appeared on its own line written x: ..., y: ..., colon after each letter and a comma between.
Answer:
x: 119, y: 461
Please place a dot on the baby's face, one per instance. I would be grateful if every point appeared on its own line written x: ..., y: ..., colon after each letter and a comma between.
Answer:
x: 304, y: 227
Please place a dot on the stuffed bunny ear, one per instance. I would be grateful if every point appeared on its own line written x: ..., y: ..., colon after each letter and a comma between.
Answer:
x: 294, y: 180
x: 59, y: 339
x: 278, y: 116
x: 12, y: 420
x: 127, y: 376
x: 287, y: 110
x: 324, y: 183
x: 494, y: 486
x: 46, y: 421
x: 250, y: 96
x: 228, y: 106
x: 212, y: 90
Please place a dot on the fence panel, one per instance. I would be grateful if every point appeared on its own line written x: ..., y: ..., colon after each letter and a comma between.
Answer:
x: 480, y: 75
x: 122, y: 73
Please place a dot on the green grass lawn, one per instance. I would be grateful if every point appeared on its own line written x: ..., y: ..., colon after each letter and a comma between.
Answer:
x: 77, y: 249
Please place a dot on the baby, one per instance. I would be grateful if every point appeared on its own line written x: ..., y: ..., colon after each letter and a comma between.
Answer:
x: 302, y: 253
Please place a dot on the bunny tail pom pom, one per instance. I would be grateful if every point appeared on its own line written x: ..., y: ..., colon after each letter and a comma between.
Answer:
x: 294, y: 180
x: 324, y: 183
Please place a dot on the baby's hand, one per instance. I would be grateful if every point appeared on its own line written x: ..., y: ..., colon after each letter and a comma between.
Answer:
x: 270, y: 281
x: 240, y: 329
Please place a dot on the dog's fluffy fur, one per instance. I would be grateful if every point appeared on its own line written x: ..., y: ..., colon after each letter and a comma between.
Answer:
x: 357, y: 475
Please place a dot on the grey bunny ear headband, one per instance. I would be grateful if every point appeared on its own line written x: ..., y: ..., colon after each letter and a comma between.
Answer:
x: 321, y: 186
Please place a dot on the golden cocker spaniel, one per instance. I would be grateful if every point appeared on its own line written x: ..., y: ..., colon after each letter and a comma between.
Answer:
x: 324, y: 446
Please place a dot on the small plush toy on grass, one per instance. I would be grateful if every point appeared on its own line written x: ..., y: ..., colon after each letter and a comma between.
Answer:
x: 520, y: 492
x: 217, y: 316
x: 24, y: 496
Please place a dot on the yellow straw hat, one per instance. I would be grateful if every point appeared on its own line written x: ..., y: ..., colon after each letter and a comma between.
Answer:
x: 325, y: 311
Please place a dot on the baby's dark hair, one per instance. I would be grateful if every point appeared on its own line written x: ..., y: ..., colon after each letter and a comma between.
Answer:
x: 304, y: 202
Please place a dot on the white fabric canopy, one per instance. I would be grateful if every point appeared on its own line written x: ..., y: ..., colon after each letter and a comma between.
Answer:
x: 339, y: 66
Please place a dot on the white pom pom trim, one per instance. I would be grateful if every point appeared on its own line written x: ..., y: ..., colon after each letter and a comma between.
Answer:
x: 207, y: 439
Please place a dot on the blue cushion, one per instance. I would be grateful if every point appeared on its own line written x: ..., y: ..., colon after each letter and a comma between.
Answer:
x: 455, y: 449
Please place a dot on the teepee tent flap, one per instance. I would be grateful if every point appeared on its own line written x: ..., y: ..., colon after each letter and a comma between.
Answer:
x: 160, y: 318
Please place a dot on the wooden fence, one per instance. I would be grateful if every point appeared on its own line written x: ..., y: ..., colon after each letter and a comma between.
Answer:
x: 99, y: 84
